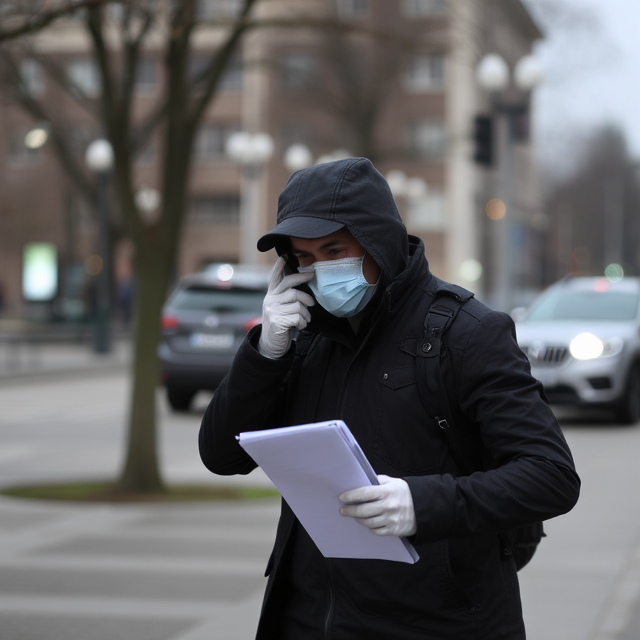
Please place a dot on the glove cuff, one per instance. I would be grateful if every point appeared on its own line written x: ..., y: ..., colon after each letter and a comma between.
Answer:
x: 265, y: 352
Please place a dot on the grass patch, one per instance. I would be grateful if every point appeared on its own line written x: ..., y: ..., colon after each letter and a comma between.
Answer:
x: 107, y: 492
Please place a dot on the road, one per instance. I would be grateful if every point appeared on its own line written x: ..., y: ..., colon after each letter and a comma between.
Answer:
x: 194, y: 572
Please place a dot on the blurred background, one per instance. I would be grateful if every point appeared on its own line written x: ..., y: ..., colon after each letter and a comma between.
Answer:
x: 143, y: 145
x: 507, y: 131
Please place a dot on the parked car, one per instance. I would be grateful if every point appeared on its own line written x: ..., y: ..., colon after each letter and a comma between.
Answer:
x: 204, y: 321
x: 582, y: 337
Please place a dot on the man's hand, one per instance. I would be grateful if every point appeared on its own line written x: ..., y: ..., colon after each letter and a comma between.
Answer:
x: 387, y: 508
x: 283, y: 311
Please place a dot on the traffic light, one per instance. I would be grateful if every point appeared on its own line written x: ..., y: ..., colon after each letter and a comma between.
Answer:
x: 483, y: 138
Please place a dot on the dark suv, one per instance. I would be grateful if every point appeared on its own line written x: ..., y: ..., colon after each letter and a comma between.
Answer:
x: 204, y: 321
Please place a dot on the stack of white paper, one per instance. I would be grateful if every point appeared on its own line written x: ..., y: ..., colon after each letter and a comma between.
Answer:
x: 311, y: 465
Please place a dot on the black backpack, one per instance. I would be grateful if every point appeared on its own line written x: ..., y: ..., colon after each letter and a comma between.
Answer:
x: 447, y: 301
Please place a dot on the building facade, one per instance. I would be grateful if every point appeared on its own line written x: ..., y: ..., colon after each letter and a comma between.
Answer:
x: 394, y: 81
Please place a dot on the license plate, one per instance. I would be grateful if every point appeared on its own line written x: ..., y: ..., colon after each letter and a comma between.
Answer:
x: 211, y: 340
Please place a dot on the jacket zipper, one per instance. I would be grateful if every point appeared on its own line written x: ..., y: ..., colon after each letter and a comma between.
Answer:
x: 343, y: 394
x: 329, y: 616
x: 341, y: 404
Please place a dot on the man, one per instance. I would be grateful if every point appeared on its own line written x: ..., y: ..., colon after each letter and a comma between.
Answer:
x: 356, y: 287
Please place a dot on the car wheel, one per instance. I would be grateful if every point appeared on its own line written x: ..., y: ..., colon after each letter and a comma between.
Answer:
x: 628, y: 408
x: 180, y: 398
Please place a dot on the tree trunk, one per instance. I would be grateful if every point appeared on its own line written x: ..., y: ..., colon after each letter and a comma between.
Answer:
x: 141, y: 471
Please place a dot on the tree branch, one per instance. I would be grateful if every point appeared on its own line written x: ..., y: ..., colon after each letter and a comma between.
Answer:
x: 220, y: 61
x: 62, y: 80
x: 132, y: 47
x: 31, y: 23
x: 116, y: 117
x: 334, y: 25
x: 60, y: 141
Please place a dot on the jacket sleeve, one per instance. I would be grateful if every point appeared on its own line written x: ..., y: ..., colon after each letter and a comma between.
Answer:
x: 250, y: 398
x: 533, y: 478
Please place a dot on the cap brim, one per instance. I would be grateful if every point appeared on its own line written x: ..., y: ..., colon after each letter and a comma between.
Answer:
x: 298, y: 227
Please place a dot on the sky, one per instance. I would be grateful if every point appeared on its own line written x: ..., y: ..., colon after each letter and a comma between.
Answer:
x: 591, y: 58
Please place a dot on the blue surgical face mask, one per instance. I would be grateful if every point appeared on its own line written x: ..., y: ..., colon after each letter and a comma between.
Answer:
x: 340, y: 286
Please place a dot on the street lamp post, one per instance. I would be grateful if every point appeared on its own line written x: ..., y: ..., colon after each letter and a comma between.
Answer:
x: 36, y: 137
x: 492, y: 75
x: 148, y: 203
x: 297, y: 156
x: 99, y: 158
x: 251, y: 151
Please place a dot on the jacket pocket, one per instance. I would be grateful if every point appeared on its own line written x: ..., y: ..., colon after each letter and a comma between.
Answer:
x: 405, y: 435
x: 452, y: 584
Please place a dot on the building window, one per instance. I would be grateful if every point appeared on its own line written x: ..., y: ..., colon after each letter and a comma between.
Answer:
x: 297, y: 133
x: 298, y: 70
x: 83, y: 216
x: 231, y: 77
x: 428, y: 211
x: 117, y: 12
x: 426, y: 73
x: 82, y: 74
x: 146, y: 80
x: 211, y: 9
x: 352, y: 8
x: 211, y: 140
x: 417, y: 8
x: 146, y: 154
x: 80, y: 135
x: 32, y: 77
x: 427, y: 139
x: 18, y: 154
x: 197, y: 66
x: 215, y: 210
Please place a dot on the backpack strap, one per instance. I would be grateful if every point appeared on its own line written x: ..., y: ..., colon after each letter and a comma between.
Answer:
x: 447, y: 301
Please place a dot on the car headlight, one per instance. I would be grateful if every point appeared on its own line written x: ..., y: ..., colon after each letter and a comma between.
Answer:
x: 586, y: 346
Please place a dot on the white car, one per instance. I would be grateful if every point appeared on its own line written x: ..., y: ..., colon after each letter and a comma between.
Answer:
x: 582, y: 338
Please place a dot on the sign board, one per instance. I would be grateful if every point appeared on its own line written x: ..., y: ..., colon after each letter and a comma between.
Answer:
x: 39, y: 271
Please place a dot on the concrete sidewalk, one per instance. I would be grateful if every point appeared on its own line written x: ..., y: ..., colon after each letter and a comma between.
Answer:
x: 194, y: 572
x: 20, y: 358
x: 117, y: 571
x: 133, y: 572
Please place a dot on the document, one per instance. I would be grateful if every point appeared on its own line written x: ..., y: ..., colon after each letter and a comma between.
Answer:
x: 311, y: 465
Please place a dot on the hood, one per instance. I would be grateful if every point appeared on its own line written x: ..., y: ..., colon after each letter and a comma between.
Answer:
x: 349, y: 193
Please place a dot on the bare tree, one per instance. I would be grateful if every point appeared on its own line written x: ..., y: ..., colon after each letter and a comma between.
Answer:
x: 175, y: 118
x: 117, y: 45
x: 594, y: 211
x: 27, y: 17
x: 356, y: 77
x: 354, y: 84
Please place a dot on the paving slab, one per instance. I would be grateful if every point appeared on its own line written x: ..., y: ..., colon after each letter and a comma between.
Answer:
x: 99, y: 572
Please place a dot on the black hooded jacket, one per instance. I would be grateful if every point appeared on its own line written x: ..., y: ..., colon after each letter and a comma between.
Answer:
x: 463, y: 586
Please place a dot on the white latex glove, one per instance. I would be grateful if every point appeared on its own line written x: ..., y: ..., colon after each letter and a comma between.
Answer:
x: 387, y: 508
x: 283, y: 311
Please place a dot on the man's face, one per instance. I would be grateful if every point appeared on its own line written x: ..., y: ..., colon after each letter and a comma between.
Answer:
x: 337, y: 245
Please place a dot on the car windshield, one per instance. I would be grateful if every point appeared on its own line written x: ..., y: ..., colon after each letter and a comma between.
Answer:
x: 563, y: 304
x: 203, y: 298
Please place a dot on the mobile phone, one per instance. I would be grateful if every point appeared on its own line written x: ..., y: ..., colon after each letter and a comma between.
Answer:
x: 291, y: 263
